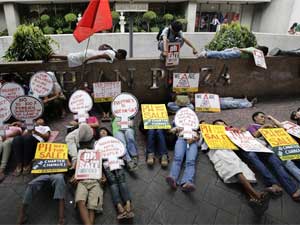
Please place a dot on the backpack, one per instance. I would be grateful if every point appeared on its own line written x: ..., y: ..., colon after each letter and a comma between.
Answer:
x: 158, y: 36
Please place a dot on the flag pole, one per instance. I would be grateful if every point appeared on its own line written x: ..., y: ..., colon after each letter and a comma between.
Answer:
x: 83, y: 64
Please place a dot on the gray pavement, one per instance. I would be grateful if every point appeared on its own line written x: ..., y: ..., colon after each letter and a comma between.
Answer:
x: 213, y: 202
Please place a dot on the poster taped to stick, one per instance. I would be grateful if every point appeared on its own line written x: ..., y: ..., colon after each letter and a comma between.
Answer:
x: 185, y: 82
x: 155, y: 116
x: 207, y: 103
x: 41, y: 84
x: 106, y: 91
x: 259, y: 59
x: 11, y: 91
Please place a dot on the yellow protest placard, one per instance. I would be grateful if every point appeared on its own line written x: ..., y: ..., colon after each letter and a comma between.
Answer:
x: 50, y: 158
x: 216, y: 138
x: 277, y: 137
x: 155, y: 116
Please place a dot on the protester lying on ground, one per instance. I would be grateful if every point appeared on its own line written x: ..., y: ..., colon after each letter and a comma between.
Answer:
x: 127, y: 137
x: 6, y: 146
x: 100, y: 55
x: 295, y: 115
x: 258, y: 160
x: 57, y: 182
x: 181, y: 100
x: 156, y: 145
x: 118, y: 187
x: 237, y: 103
x: 188, y: 149
x: 244, y: 53
x: 24, y: 146
x: 231, y: 169
x: 280, y: 52
x: 172, y: 33
x: 84, y: 134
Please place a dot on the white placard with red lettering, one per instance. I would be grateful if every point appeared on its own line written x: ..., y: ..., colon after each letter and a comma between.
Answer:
x: 247, y: 142
x: 205, y: 102
x: 80, y: 103
x: 27, y: 108
x: 5, y: 114
x: 111, y: 149
x: 106, y: 91
x: 188, y: 120
x: 259, y: 59
x: 89, y: 165
x: 11, y: 91
x: 172, y: 58
x: 41, y: 84
x: 124, y: 106
x: 291, y: 128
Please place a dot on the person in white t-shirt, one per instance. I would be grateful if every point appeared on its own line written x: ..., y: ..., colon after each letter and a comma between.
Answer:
x: 105, y: 53
x: 24, y: 146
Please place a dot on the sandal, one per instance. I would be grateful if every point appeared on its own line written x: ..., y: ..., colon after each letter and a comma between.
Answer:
x: 259, y: 206
x: 188, y: 187
x: 296, y: 196
x: 122, y: 215
x: 171, y: 182
x: 17, y: 172
x: 272, y: 190
x: 26, y: 170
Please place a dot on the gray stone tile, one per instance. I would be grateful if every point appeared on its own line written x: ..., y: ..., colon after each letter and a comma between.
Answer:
x: 206, y: 213
x: 247, y: 216
x: 224, y: 217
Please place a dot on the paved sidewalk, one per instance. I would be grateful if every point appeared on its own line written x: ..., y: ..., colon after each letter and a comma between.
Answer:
x: 213, y: 202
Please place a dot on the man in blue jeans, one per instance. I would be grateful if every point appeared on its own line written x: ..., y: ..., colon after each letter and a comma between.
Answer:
x: 258, y: 160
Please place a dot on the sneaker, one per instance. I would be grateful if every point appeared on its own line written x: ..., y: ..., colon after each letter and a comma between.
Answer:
x: 131, y: 166
x: 150, y: 159
x: 202, y: 54
x: 164, y: 161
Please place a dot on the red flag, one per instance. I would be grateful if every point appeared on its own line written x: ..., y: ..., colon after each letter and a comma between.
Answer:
x: 97, y: 17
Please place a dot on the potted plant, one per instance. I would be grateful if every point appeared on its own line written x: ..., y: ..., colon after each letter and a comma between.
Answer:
x: 148, y: 17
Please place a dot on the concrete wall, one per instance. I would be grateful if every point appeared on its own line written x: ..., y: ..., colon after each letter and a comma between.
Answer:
x: 2, y: 18
x: 247, y: 15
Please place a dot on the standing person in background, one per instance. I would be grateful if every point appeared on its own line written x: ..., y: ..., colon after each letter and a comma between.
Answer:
x: 214, y: 23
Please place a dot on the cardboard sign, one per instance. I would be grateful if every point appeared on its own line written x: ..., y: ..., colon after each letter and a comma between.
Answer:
x: 89, y: 165
x: 188, y: 120
x: 5, y: 112
x: 50, y: 158
x: 216, y: 138
x: 41, y: 84
x: 111, y: 149
x: 259, y: 59
x: 185, y: 82
x: 155, y: 116
x: 124, y: 106
x: 292, y: 128
x: 11, y: 91
x: 106, y: 91
x: 207, y: 103
x: 80, y: 102
x: 172, y: 58
x: 247, y: 142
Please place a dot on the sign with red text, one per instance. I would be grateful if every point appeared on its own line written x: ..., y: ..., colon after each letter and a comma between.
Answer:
x: 124, y: 106
x: 80, y: 102
x: 89, y: 165
x: 185, y: 82
x: 155, y: 116
x: 291, y: 128
x: 5, y: 112
x: 247, y: 142
x: 172, y: 58
x: 50, y: 158
x: 11, y: 91
x: 207, y: 103
x: 216, y: 138
x: 41, y: 84
x: 106, y: 91
x: 259, y: 59
x: 188, y: 120
x: 111, y: 149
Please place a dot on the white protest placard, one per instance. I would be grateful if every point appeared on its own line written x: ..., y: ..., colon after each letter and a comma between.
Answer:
x: 5, y: 114
x: 11, y: 91
x: 27, y: 108
x: 80, y: 103
x: 207, y: 103
x: 185, y: 82
x: 259, y: 59
x: 188, y: 120
x: 172, y: 58
x: 124, y: 106
x: 89, y: 165
x: 247, y: 142
x: 111, y: 149
x: 291, y: 128
x: 106, y: 91
x: 41, y: 84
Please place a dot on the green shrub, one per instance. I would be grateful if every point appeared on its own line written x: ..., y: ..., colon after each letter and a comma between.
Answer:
x: 135, y: 29
x: 168, y: 18
x: 70, y: 18
x: 67, y: 30
x: 115, y: 19
x: 4, y: 32
x: 148, y: 17
x: 48, y: 30
x: 59, y: 22
x: 29, y: 43
x: 45, y: 19
x: 59, y: 31
x: 155, y: 29
x: 232, y: 35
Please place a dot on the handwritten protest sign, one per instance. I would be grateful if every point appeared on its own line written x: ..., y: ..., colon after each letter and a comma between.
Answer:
x: 207, y: 103
x: 5, y: 114
x: 89, y: 165
x: 282, y: 143
x: 216, y: 138
x: 292, y: 128
x: 80, y: 103
x: 50, y: 158
x: 27, y: 108
x: 259, y: 58
x: 111, y: 149
x: 106, y: 91
x: 188, y: 120
x: 11, y: 91
x: 155, y: 116
x: 247, y: 142
x: 124, y: 106
x: 41, y: 84
x: 185, y: 82
x: 172, y: 58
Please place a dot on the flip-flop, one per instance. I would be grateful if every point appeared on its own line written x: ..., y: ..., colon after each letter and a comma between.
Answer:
x: 17, y: 172
x: 188, y: 187
x: 171, y: 182
x: 273, y: 192
x: 122, y: 215
x: 297, y: 198
x: 259, y: 206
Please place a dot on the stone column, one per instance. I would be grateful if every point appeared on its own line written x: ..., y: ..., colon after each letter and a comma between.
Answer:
x: 190, y: 15
x: 11, y: 17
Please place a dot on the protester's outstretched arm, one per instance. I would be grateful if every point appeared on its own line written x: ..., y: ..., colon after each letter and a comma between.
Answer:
x: 189, y: 43
x: 165, y: 43
x: 102, y: 56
